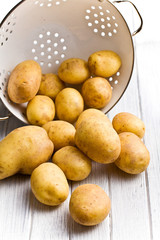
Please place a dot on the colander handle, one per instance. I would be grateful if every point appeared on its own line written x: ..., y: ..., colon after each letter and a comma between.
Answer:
x: 5, y: 118
x: 141, y: 20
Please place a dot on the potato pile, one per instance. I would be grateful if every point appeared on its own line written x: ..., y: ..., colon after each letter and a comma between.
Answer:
x: 77, y: 136
x: 50, y: 96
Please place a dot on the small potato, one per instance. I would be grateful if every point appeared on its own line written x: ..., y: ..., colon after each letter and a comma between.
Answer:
x: 61, y: 133
x: 24, y: 81
x: 96, y: 92
x: 89, y: 205
x: 98, y: 140
x: 49, y: 184
x: 69, y: 105
x: 134, y: 157
x: 50, y: 85
x: 127, y: 122
x: 40, y: 110
x: 74, y: 71
x: 24, y: 149
x: 92, y: 113
x: 75, y: 165
x: 104, y: 63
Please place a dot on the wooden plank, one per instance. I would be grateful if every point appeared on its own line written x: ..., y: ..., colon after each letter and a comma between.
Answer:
x: 150, y: 98
x: 130, y: 209
x: 130, y: 214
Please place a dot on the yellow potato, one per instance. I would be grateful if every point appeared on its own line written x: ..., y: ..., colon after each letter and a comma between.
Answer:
x: 127, y: 122
x: 96, y: 92
x: 24, y: 149
x: 24, y: 81
x: 75, y: 165
x: 74, y: 71
x: 92, y: 113
x: 61, y: 133
x: 49, y: 184
x: 134, y: 157
x: 50, y: 85
x: 104, y: 63
x: 89, y: 204
x: 69, y: 105
x: 98, y: 140
x: 40, y: 110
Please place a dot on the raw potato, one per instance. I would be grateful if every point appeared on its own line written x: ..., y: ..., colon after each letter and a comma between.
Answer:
x: 24, y: 81
x: 24, y: 149
x: 75, y: 165
x: 69, y: 105
x: 96, y: 92
x: 104, y: 63
x: 74, y: 71
x: 50, y: 85
x: 61, y: 133
x: 134, y: 157
x: 92, y: 113
x: 98, y: 140
x: 49, y: 184
x: 40, y: 110
x: 89, y: 204
x: 127, y: 122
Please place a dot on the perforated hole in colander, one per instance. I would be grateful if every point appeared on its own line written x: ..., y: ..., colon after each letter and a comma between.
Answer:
x: 101, y: 21
x: 49, y: 48
x: 49, y: 3
x: 7, y: 29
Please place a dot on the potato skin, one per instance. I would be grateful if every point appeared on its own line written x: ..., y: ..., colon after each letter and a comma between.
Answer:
x: 74, y: 71
x: 75, y: 165
x: 98, y: 140
x: 61, y: 133
x: 96, y: 92
x: 50, y: 85
x: 89, y: 204
x: 92, y: 113
x: 24, y: 149
x: 104, y: 63
x: 40, y: 110
x: 69, y: 105
x: 24, y: 81
x: 49, y: 184
x: 127, y: 122
x: 134, y: 157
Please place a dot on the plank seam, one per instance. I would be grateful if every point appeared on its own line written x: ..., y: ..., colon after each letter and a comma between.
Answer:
x: 146, y: 173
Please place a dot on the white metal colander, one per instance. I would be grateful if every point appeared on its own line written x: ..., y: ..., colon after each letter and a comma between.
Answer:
x: 50, y: 31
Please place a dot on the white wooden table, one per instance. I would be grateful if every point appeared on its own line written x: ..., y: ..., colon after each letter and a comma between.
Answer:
x: 135, y: 213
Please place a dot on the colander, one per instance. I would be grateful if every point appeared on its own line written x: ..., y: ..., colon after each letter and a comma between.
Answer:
x: 50, y: 31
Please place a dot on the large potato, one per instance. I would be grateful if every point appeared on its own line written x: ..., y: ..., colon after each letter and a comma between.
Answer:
x: 61, y: 133
x: 92, y: 113
x: 75, y: 165
x: 40, y: 110
x: 49, y: 184
x: 96, y: 92
x: 74, y: 71
x: 24, y: 149
x: 98, y: 140
x: 104, y: 63
x: 89, y: 204
x: 134, y: 157
x: 127, y: 122
x: 50, y: 85
x: 69, y: 105
x: 24, y: 81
